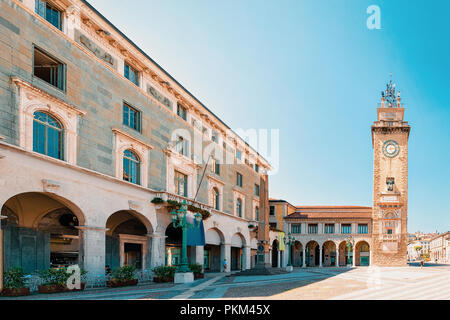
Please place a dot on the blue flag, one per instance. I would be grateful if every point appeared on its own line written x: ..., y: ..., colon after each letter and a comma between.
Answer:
x: 196, y: 236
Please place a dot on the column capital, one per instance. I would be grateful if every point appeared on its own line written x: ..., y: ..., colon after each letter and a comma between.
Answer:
x: 156, y: 235
x: 92, y: 228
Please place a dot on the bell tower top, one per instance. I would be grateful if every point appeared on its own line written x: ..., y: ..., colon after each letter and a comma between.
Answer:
x: 391, y: 108
x: 390, y: 112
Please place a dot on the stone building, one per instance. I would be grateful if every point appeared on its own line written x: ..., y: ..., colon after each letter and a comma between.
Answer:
x: 440, y: 248
x: 98, y: 143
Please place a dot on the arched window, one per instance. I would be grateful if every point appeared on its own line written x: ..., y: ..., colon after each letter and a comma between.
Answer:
x: 47, y: 135
x: 131, y: 167
x: 239, y: 207
x: 257, y: 213
x: 216, y: 198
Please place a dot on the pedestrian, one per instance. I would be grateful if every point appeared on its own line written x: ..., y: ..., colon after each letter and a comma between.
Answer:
x: 421, y: 263
x: 224, y: 265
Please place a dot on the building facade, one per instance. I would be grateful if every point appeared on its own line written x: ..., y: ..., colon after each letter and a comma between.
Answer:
x: 439, y: 248
x: 98, y: 144
x: 330, y: 236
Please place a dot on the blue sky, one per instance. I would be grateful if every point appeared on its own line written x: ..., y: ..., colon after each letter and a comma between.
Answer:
x: 315, y: 71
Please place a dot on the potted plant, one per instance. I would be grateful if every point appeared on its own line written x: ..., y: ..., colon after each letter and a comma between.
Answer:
x: 157, y: 200
x: 197, y: 269
x: 14, y: 283
x: 164, y: 273
x: 122, y: 277
x: 55, y: 280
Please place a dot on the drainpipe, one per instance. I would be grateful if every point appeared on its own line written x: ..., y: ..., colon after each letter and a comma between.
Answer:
x: 1, y: 253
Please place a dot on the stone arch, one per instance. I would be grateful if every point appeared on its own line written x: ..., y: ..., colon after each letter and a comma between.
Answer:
x: 362, y: 253
x: 312, y: 249
x: 237, y: 243
x: 39, y: 236
x: 127, y: 241
x: 329, y: 253
x: 275, y: 244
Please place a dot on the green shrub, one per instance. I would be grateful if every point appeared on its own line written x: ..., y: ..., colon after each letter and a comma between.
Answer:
x: 157, y: 200
x: 57, y: 276
x: 165, y: 272
x: 124, y: 273
x: 13, y: 279
x: 54, y: 276
x: 196, y: 267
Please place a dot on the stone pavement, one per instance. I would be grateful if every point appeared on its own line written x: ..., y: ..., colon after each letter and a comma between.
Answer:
x: 430, y: 282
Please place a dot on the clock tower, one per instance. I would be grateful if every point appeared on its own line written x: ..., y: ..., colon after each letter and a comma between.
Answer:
x: 390, y: 181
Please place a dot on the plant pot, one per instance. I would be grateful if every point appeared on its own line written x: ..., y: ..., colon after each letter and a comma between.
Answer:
x: 162, y: 279
x: 199, y: 276
x: 114, y: 283
x: 52, y: 288
x: 15, y: 292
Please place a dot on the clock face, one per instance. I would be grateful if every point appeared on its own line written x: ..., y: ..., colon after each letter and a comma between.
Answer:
x: 391, y: 148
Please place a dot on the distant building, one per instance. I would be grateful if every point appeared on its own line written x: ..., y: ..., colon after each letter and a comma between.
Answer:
x: 440, y: 247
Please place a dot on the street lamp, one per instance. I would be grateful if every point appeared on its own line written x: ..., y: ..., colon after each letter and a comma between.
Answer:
x: 179, y: 221
x: 350, y: 243
x: 289, y: 243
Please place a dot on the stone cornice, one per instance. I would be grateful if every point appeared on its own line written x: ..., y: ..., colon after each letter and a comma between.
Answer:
x: 210, y: 176
x: 129, y: 136
x: 25, y: 84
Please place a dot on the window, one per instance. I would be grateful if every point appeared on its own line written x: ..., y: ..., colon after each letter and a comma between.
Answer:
x: 256, y: 167
x: 131, y: 117
x: 273, y: 225
x: 239, y: 207
x: 48, y: 69
x: 215, y: 167
x: 257, y: 213
x: 181, y: 183
x: 182, y: 146
x: 296, y: 228
x: 389, y: 231
x: 215, y: 136
x: 49, y: 13
x: 363, y: 228
x: 238, y: 154
x: 131, y: 167
x: 272, y: 210
x: 239, y: 179
x: 346, y: 228
x: 216, y: 199
x: 257, y: 190
x: 312, y: 228
x: 131, y: 74
x: 47, y: 135
x: 329, y: 228
x: 181, y: 112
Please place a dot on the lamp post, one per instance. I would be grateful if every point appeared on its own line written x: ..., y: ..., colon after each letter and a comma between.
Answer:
x: 350, y: 243
x: 179, y: 221
x: 289, y: 266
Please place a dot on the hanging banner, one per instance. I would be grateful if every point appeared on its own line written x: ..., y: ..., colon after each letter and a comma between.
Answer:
x: 196, y: 236
x: 281, y: 242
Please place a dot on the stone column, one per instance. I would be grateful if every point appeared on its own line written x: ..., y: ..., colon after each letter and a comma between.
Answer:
x: 320, y: 256
x: 199, y: 254
x: 1, y: 252
x: 225, y: 253
x: 157, y: 249
x: 337, y: 256
x: 304, y: 257
x: 247, y: 257
x: 93, y: 250
x: 354, y: 256
x: 279, y: 259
